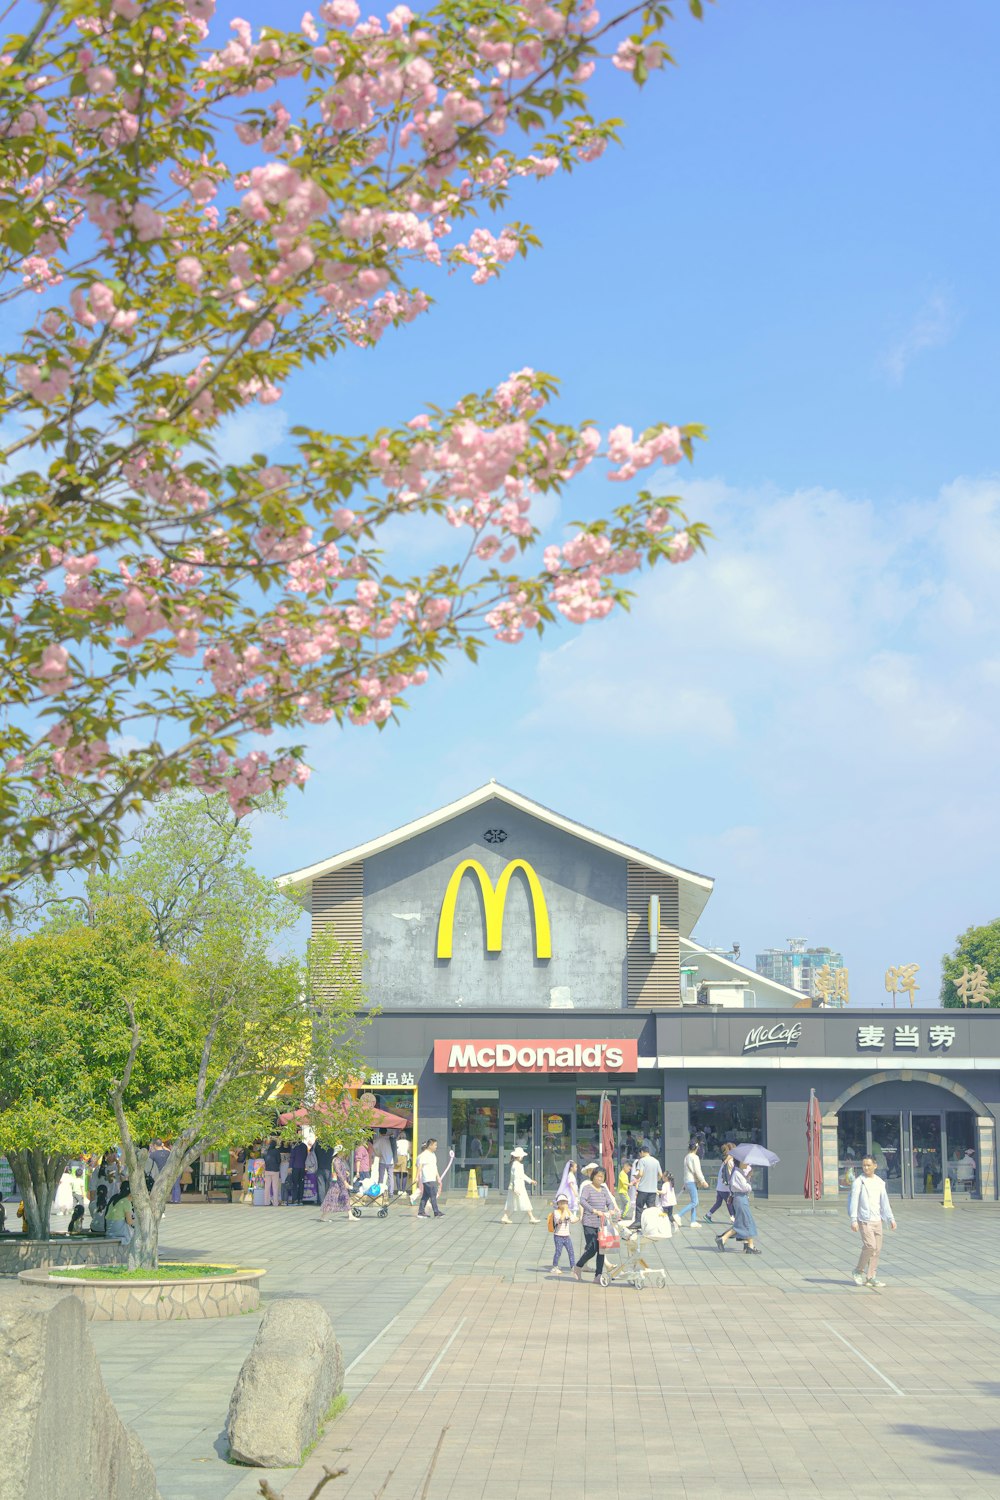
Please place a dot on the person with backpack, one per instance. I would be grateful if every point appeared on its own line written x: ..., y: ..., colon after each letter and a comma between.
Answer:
x: 559, y: 1221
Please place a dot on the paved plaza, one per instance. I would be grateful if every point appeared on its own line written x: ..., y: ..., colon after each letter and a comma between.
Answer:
x: 471, y: 1374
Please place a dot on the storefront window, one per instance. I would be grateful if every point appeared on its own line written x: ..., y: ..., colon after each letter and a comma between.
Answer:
x: 852, y: 1144
x: 725, y: 1115
x: 588, y: 1127
x: 640, y: 1118
x: 475, y: 1135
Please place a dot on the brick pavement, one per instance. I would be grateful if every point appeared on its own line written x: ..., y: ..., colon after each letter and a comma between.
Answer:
x: 473, y: 1375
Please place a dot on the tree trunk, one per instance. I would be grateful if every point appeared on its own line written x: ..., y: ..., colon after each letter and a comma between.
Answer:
x: 144, y: 1250
x: 37, y: 1176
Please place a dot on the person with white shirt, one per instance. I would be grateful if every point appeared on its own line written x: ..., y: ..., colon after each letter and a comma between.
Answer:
x: 867, y: 1209
x: 402, y: 1160
x: 386, y: 1153
x: 646, y: 1175
x: 517, y: 1193
x: 428, y: 1178
x: 694, y: 1178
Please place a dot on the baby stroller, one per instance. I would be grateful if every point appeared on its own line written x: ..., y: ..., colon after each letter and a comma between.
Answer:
x: 630, y: 1269
x: 371, y: 1195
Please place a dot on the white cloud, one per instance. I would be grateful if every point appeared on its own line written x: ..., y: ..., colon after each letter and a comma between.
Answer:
x: 255, y: 430
x: 932, y: 326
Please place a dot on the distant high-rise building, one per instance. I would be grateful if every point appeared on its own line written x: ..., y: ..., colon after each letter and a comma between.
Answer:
x: 797, y: 965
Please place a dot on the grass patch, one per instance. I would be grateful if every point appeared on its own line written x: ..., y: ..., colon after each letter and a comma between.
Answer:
x: 170, y: 1271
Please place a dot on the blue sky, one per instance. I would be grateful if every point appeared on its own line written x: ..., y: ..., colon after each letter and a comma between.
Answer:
x: 797, y: 246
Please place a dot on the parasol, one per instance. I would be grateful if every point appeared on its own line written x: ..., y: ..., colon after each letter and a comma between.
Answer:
x: 607, y: 1140
x: 813, y: 1187
x: 755, y: 1156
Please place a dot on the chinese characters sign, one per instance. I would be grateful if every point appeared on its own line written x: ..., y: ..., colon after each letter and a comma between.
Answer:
x: 391, y: 1080
x: 873, y: 1038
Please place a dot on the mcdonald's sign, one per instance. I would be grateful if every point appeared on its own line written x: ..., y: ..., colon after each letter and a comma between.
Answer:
x: 494, y: 901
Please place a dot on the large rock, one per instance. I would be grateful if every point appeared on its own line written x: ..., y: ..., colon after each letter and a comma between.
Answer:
x: 289, y: 1380
x: 61, y: 1436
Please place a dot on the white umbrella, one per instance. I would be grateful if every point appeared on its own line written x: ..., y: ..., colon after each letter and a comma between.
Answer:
x: 755, y: 1156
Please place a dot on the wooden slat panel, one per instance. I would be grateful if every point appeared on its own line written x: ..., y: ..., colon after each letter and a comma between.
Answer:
x: 653, y: 979
x: 338, y: 905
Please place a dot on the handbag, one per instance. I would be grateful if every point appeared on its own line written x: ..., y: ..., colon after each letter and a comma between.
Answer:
x: 607, y: 1236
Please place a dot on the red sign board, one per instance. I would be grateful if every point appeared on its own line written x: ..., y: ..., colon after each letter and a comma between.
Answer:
x: 537, y: 1056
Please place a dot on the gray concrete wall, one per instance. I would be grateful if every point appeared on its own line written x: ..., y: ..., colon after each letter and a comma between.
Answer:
x: 585, y: 891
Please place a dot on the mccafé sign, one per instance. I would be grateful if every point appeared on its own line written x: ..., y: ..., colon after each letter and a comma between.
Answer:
x: 532, y: 1056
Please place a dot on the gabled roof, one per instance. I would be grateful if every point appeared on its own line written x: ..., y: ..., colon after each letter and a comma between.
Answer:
x: 693, y: 889
x: 760, y: 981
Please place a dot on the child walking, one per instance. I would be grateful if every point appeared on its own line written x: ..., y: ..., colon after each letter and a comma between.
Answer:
x: 560, y: 1220
x: 668, y: 1196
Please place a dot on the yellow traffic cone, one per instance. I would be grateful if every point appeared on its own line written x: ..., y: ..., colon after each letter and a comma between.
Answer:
x: 947, y: 1194
x: 472, y: 1191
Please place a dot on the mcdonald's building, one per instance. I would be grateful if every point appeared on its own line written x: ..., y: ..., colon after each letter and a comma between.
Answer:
x: 522, y: 964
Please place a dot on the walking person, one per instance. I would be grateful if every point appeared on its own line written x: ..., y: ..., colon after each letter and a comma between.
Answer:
x: 694, y: 1178
x: 517, y: 1191
x: 272, y: 1175
x: 428, y: 1179
x: 568, y: 1184
x: 560, y: 1219
x: 324, y: 1170
x: 743, y: 1226
x: 646, y: 1176
x: 386, y: 1152
x: 597, y: 1203
x: 722, y: 1193
x: 668, y: 1197
x: 868, y: 1208
x: 336, y: 1199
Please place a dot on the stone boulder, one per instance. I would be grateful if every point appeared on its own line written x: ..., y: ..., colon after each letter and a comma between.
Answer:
x: 289, y: 1380
x: 62, y: 1437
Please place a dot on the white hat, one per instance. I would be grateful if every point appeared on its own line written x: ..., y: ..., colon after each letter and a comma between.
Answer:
x: 518, y: 1151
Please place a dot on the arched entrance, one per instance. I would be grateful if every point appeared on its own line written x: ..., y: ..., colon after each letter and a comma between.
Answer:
x: 920, y: 1130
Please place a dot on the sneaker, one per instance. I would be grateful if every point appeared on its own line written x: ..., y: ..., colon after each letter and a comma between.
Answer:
x: 505, y: 1220
x: 875, y: 1285
x: 720, y: 1242
x: 577, y: 1273
x: 555, y: 1271
x: 695, y: 1223
x: 857, y: 1278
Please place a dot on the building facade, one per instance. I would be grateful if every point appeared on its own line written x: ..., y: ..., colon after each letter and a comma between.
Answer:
x: 797, y: 965
x: 523, y: 965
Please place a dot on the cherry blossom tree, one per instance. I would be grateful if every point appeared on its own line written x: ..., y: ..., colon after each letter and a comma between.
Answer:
x: 186, y: 221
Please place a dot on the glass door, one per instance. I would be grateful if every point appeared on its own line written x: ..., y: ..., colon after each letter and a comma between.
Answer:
x: 925, y: 1153
x: 556, y: 1130
x: 963, y: 1169
x: 519, y: 1130
x: 886, y: 1148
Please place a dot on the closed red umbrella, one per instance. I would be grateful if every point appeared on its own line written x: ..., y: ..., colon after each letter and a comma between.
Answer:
x: 814, y: 1150
x: 608, y: 1142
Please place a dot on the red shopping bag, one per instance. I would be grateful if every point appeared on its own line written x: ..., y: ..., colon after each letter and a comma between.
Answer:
x: 607, y: 1236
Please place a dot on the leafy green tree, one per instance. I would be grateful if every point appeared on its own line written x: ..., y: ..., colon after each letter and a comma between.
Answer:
x: 63, y: 1036
x: 977, y: 946
x: 259, y: 1025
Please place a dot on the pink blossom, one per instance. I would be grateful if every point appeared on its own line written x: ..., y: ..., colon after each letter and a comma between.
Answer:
x: 680, y: 549
x: 436, y: 611
x: 52, y: 671
x: 189, y: 271
x: 148, y: 223
x: 43, y: 388
x: 200, y: 10
x: 100, y: 80
x: 127, y: 9
x: 340, y: 12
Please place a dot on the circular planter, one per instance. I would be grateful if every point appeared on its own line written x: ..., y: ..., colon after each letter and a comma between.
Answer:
x: 237, y: 1291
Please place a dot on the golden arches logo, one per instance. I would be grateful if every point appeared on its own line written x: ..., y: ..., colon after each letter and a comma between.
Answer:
x: 494, y: 901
